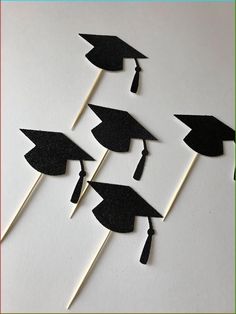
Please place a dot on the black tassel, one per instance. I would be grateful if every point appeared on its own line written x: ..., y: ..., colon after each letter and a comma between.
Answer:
x: 76, y: 194
x: 134, y: 86
x: 139, y: 169
x: 147, y: 246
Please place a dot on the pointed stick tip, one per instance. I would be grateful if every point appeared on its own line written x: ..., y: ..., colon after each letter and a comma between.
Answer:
x: 71, y: 301
x: 180, y: 185
x: 68, y: 306
x: 74, y: 210
x: 2, y: 238
x: 71, y: 215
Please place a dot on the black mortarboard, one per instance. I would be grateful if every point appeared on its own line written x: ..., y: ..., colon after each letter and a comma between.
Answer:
x: 118, y: 209
x: 108, y: 54
x: 116, y: 130
x: 51, y: 152
x: 207, y: 134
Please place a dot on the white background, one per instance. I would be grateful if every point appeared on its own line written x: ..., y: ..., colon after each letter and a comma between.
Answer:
x: 45, y: 78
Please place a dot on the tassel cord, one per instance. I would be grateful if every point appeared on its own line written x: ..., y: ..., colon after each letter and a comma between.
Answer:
x: 140, y: 167
x: 77, y: 191
x: 147, y: 246
x: 135, y: 83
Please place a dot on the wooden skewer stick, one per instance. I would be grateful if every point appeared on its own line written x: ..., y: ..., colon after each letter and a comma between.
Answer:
x: 87, y: 185
x: 18, y: 213
x: 180, y: 185
x: 41, y: 175
x: 87, y: 98
x: 89, y: 269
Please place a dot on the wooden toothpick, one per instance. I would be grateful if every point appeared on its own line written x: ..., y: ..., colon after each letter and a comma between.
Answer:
x: 180, y: 185
x: 21, y: 208
x: 91, y: 179
x: 84, y: 104
x: 90, y: 267
x: 41, y: 175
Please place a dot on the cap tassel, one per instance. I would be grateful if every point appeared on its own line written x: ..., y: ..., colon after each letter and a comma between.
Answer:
x: 139, y: 170
x: 76, y: 194
x: 147, y: 246
x: 134, y: 86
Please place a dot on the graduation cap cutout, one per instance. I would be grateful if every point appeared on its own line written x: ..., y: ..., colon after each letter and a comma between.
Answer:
x: 50, y: 155
x: 118, y: 209
x: 206, y: 138
x: 207, y: 134
x: 108, y: 54
x: 117, y: 129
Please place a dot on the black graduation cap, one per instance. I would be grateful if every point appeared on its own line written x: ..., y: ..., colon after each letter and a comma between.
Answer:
x: 116, y: 130
x: 50, y: 155
x: 118, y: 209
x: 207, y: 134
x: 108, y: 54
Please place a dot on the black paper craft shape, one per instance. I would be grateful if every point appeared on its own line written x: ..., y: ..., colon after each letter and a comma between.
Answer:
x: 207, y: 134
x: 50, y: 155
x: 117, y: 129
x: 118, y: 209
x: 108, y: 54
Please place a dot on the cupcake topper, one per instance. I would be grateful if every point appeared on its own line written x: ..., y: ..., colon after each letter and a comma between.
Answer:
x: 205, y: 138
x: 117, y: 212
x: 108, y: 53
x: 49, y: 156
x: 115, y: 132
